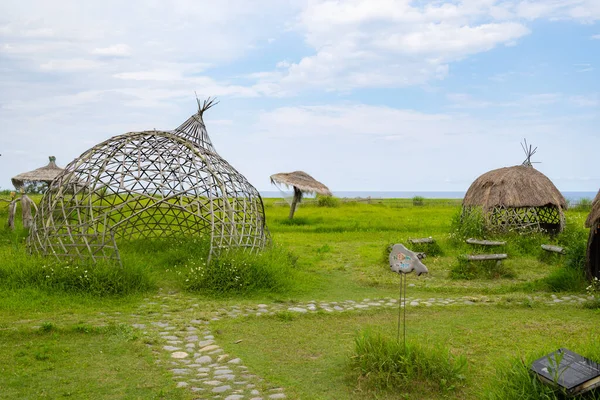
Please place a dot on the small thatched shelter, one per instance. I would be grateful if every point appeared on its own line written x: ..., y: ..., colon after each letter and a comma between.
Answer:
x: 302, y: 183
x: 147, y: 185
x: 593, y: 247
x: 44, y: 174
x: 516, y: 197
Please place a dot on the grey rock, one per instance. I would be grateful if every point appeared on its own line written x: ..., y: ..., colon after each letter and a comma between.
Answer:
x: 221, y: 389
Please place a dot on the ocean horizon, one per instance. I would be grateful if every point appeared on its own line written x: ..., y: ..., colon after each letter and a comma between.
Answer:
x: 570, y: 196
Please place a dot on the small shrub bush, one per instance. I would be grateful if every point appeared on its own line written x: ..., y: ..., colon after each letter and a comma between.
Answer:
x: 515, y: 381
x: 295, y: 221
x: 100, y: 279
x: 237, y: 271
x: 565, y: 279
x: 328, y: 201
x: 470, y: 224
x: 574, y: 240
x: 488, y: 269
x: 383, y: 363
x: 418, y: 201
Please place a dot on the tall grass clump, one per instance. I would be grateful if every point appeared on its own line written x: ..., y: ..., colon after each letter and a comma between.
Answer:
x: 470, y: 224
x: 237, y: 271
x: 382, y: 363
x: 515, y: 381
x: 328, y: 201
x: 570, y: 276
x: 20, y: 270
x: 486, y: 269
x: 418, y: 201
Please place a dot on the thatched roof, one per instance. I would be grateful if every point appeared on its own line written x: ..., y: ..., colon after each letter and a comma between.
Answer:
x: 594, y: 216
x: 43, y: 174
x: 518, y: 186
x: 302, y: 181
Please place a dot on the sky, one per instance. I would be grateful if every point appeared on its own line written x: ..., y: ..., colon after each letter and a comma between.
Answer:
x: 364, y: 95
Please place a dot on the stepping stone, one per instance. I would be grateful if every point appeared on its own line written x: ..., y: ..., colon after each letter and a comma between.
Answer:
x: 297, y: 309
x: 205, y: 343
x: 182, y: 384
x: 171, y: 348
x: 221, y: 389
x: 223, y: 372
x: 180, y: 371
x: 277, y: 396
x: 213, y: 383
x: 208, y: 348
x: 179, y: 354
x: 235, y: 361
x: 203, y: 360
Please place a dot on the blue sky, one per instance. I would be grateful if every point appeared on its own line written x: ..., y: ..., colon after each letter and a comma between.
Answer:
x: 362, y: 94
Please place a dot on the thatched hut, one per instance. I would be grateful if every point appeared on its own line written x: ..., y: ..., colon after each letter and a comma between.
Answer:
x: 150, y: 184
x: 593, y: 247
x: 302, y: 183
x: 45, y: 174
x: 518, y: 197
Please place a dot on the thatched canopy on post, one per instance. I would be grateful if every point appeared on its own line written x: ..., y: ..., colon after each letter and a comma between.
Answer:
x: 44, y: 174
x: 593, y: 247
x: 147, y: 185
x: 302, y: 183
x: 517, y: 197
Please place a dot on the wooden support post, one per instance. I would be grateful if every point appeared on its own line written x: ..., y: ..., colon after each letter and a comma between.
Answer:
x: 12, y: 208
x: 26, y: 211
x: 297, y: 199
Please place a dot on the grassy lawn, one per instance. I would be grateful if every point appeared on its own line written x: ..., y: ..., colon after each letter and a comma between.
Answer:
x: 60, y: 341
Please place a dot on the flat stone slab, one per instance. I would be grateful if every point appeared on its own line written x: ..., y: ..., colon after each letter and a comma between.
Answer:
x: 179, y: 354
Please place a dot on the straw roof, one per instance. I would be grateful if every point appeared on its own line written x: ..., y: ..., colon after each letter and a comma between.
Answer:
x: 518, y: 186
x: 43, y: 174
x: 594, y: 213
x: 302, y: 181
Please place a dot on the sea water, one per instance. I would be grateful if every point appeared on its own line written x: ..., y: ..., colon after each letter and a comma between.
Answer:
x: 570, y: 196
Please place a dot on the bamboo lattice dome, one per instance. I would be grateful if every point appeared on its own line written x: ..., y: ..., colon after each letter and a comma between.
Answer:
x: 150, y: 184
x: 517, y: 197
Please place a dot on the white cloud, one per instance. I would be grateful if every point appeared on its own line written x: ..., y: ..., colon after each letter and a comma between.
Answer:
x: 70, y: 65
x: 365, y: 43
x: 596, y: 37
x: 116, y: 50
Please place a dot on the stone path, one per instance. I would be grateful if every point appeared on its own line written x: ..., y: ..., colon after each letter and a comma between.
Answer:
x: 200, y: 365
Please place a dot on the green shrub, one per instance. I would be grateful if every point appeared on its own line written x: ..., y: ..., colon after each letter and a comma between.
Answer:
x: 430, y: 249
x: 328, y: 201
x: 100, y: 279
x: 565, y: 279
x: 515, y: 381
x: 487, y: 269
x: 583, y: 204
x: 237, y: 271
x: 467, y: 224
x: 295, y: 221
x: 574, y: 240
x: 384, y: 363
x: 418, y: 201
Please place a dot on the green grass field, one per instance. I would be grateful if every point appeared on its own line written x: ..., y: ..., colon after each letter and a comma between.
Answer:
x: 70, y: 335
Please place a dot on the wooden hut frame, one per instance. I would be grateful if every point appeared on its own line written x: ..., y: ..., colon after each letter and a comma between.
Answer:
x: 518, y: 197
x: 150, y: 184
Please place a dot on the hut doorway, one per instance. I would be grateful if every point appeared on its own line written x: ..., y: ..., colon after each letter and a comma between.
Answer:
x: 593, y: 267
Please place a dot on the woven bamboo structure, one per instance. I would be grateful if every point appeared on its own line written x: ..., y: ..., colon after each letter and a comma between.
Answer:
x: 593, y: 246
x: 150, y: 184
x: 302, y: 183
x: 518, y: 197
